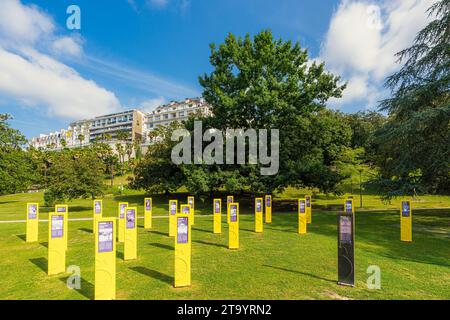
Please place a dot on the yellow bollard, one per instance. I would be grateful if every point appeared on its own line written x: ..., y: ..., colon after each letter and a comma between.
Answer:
x: 121, y: 228
x: 230, y: 199
x: 406, y: 222
x: 308, y: 209
x: 97, y: 214
x: 183, y: 248
x: 233, y: 228
x: 268, y: 203
x: 191, y: 202
x: 56, y: 243
x: 148, y: 213
x: 64, y: 209
x: 130, y: 245
x: 302, y: 216
x: 105, y: 259
x: 259, y: 215
x: 32, y: 222
x: 217, y: 215
x: 173, y: 205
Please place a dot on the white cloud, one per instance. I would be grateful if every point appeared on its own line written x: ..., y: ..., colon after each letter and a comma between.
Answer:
x: 34, y: 78
x: 362, y: 40
x: 68, y: 46
x: 23, y: 24
x: 151, y: 104
x: 38, y: 80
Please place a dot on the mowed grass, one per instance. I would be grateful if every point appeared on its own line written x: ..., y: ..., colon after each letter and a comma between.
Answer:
x: 277, y: 264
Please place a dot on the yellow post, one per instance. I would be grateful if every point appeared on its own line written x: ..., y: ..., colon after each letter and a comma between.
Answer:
x: 268, y: 203
x: 148, y: 213
x: 230, y: 199
x: 130, y: 245
x: 32, y: 222
x: 233, y: 229
x: 97, y: 214
x: 302, y: 216
x: 64, y: 209
x: 308, y: 209
x: 183, y: 248
x: 191, y: 202
x: 217, y: 214
x: 56, y: 243
x: 105, y: 259
x: 121, y: 230
x: 173, y: 205
x: 406, y: 221
x: 259, y: 215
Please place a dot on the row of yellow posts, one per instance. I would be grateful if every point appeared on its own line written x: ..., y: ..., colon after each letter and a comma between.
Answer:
x: 179, y: 227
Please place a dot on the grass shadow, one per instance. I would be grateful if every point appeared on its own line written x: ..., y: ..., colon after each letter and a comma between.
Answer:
x: 120, y: 255
x: 162, y: 246
x: 159, y: 232
x: 202, y: 230
x: 153, y: 274
x: 22, y: 237
x: 41, y: 263
x: 86, y: 230
x: 210, y: 243
x: 299, y: 272
x: 87, y: 289
x: 44, y: 244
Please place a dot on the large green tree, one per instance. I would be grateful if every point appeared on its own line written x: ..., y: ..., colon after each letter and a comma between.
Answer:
x: 413, y: 147
x: 16, y: 166
x: 259, y: 83
x: 267, y: 83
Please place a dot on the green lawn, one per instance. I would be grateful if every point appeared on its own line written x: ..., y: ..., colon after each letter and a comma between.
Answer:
x: 278, y: 264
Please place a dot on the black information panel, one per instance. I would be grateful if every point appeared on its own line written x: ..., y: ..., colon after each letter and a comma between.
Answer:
x: 346, y: 249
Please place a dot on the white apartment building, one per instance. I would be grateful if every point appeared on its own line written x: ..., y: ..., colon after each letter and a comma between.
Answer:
x: 76, y: 135
x: 174, y: 111
x: 135, y: 122
x: 130, y: 121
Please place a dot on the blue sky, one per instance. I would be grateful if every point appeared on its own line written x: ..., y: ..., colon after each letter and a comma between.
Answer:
x: 141, y: 53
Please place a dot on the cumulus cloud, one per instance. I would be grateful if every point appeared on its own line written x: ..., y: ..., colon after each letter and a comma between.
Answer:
x: 32, y: 77
x: 38, y: 80
x: 68, y: 46
x: 362, y: 40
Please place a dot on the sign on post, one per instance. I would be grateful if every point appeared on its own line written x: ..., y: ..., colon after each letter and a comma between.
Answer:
x: 105, y: 259
x: 64, y: 209
x: 191, y: 202
x: 346, y: 245
x: 97, y: 214
x: 173, y: 205
x: 121, y: 229
x: 56, y: 243
x: 130, y: 245
x: 259, y: 215
x: 406, y: 222
x: 268, y: 204
x: 32, y: 222
x: 183, y: 248
x: 233, y: 228
x: 148, y: 213
x: 308, y: 209
x: 217, y: 215
x: 230, y: 199
x: 302, y: 216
